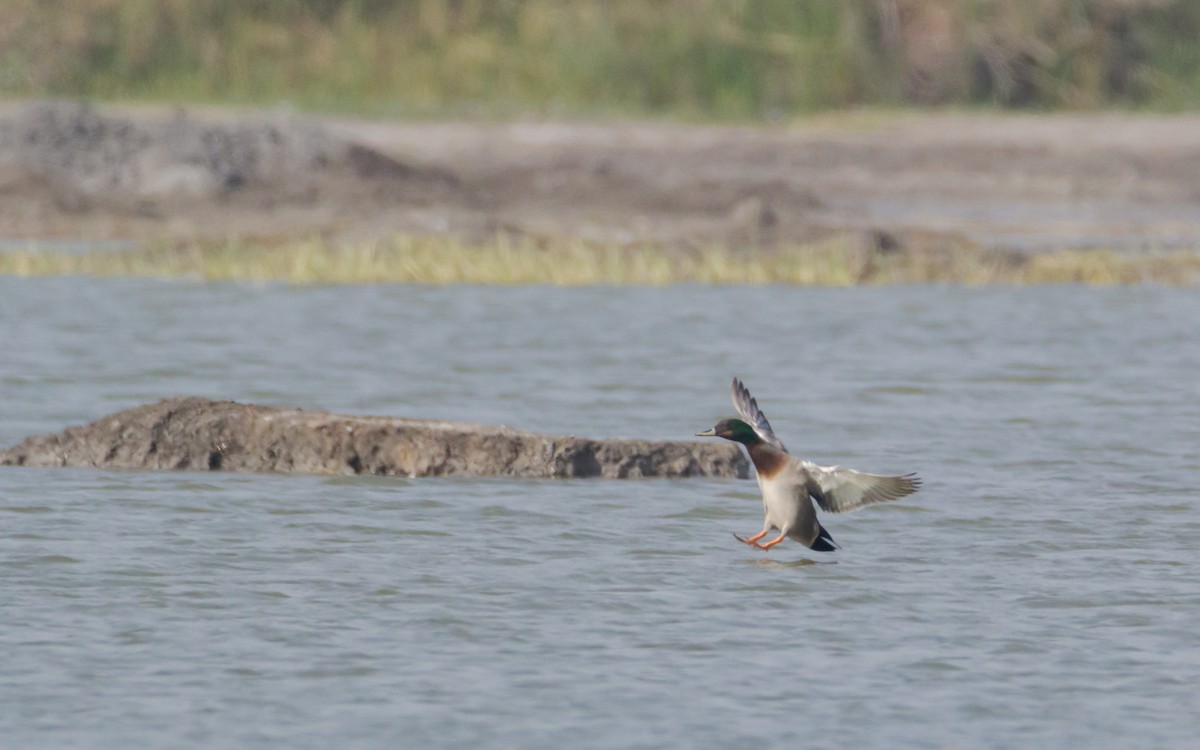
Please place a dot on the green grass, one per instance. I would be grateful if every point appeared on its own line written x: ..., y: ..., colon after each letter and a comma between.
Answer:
x: 431, y: 260
x: 729, y: 59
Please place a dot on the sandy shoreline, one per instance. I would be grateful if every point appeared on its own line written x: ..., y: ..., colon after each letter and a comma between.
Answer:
x: 1023, y: 182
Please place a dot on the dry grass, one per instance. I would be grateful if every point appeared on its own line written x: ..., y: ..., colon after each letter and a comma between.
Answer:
x: 685, y: 58
x: 435, y: 260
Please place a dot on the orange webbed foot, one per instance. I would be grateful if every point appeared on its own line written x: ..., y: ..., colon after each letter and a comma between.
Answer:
x: 773, y: 542
x: 752, y: 541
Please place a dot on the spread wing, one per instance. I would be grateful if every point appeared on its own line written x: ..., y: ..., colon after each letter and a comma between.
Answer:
x: 747, y: 407
x: 839, y: 490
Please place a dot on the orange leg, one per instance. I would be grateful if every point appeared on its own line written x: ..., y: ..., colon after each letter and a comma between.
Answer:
x: 752, y: 541
x: 773, y: 542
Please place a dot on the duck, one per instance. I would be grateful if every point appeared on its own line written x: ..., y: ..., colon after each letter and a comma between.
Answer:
x: 790, y: 485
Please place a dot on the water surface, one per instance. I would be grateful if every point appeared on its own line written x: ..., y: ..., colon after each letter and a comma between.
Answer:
x: 1040, y: 591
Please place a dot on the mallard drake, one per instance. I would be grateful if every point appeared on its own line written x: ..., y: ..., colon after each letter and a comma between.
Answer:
x: 790, y: 484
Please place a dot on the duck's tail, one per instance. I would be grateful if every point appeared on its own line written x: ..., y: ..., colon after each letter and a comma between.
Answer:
x: 824, y: 542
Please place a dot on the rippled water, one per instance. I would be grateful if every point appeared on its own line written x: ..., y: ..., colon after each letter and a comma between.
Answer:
x: 1041, y: 591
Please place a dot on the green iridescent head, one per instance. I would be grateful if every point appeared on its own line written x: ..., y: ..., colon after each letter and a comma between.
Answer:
x: 732, y: 429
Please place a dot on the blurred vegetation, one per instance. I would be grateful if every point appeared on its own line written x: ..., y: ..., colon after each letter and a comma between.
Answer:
x: 571, y: 262
x: 681, y: 58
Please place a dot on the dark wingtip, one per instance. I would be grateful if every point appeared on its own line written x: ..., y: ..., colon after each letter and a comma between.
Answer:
x: 824, y: 542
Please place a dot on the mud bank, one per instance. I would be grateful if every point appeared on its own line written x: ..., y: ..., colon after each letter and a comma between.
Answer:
x: 196, y: 434
x: 961, y: 182
x: 70, y: 170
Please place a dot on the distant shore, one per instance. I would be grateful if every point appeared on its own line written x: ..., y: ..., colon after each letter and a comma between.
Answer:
x: 841, y: 199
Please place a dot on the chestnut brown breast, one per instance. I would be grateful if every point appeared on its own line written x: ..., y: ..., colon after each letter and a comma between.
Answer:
x: 768, y: 460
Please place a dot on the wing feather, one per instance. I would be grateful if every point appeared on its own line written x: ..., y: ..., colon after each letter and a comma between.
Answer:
x: 839, y: 490
x: 747, y: 407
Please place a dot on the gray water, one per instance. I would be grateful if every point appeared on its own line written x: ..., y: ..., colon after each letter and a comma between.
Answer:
x: 1040, y: 591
